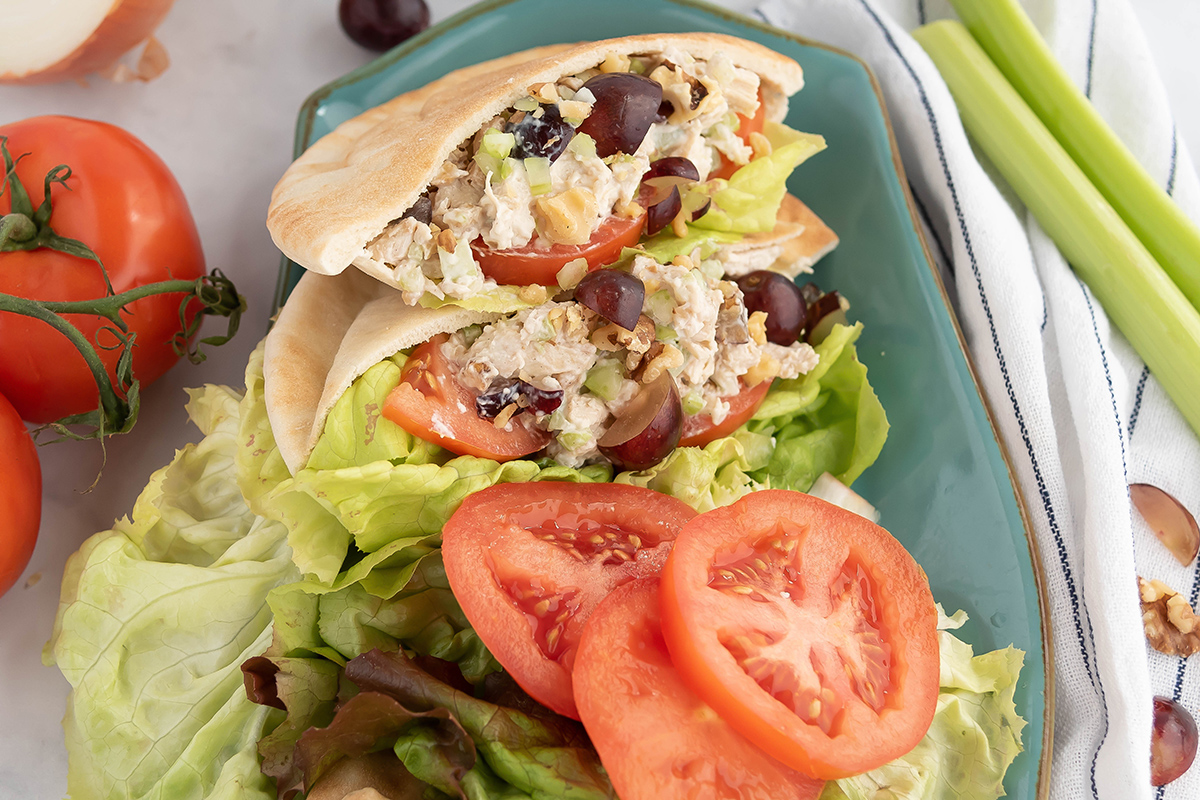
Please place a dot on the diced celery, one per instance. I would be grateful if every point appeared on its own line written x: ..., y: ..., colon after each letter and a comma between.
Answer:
x: 604, y: 380
x: 538, y: 170
x: 582, y: 145
x: 1141, y: 300
x: 576, y: 440
x: 526, y: 104
x: 488, y: 163
x: 665, y: 334
x: 471, y: 333
x: 661, y: 305
x: 1008, y: 35
x: 693, y: 402
x: 498, y: 144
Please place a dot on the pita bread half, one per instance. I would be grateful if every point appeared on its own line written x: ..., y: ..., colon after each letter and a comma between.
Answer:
x: 802, y: 237
x: 350, y: 185
x: 331, y: 331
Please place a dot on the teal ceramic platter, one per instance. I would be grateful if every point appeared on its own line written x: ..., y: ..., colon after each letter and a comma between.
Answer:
x: 943, y: 485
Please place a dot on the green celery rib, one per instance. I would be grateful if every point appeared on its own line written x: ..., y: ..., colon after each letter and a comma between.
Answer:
x: 1140, y: 299
x: 1014, y: 44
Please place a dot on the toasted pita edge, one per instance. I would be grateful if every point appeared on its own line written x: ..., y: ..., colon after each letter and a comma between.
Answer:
x: 352, y: 183
x: 332, y: 330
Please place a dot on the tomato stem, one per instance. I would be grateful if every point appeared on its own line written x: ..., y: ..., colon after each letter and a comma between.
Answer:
x: 26, y: 228
x: 16, y: 228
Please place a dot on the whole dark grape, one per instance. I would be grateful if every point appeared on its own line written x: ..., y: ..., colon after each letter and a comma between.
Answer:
x: 1172, y: 741
x: 541, y: 136
x: 625, y: 108
x: 382, y: 24
x: 617, y: 296
x: 782, y: 301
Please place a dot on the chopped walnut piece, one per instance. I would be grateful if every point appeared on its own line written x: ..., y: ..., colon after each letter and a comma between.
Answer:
x: 765, y: 370
x: 613, y: 337
x: 533, y: 293
x: 1171, y: 625
x: 658, y: 359
x: 615, y: 62
x: 501, y: 420
x: 546, y: 92
x: 761, y: 145
x: 446, y: 240
x: 757, y: 326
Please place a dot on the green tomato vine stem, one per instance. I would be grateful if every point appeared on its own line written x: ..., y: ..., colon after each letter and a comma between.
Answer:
x: 25, y: 229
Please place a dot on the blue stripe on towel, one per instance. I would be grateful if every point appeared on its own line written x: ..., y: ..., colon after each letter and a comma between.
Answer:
x: 1060, y: 544
x: 1137, y: 400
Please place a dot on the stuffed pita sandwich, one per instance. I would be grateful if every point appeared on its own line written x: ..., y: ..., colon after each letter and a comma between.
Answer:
x: 584, y: 253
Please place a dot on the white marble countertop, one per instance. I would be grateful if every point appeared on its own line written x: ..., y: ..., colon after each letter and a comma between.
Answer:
x: 222, y: 118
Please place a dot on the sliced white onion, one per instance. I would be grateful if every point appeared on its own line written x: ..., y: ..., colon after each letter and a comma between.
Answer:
x: 43, y: 41
x: 831, y: 490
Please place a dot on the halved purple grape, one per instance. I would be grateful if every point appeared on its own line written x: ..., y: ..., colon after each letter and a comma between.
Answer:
x: 544, y: 135
x: 659, y: 215
x: 625, y: 108
x: 775, y: 294
x: 823, y: 315
x: 702, y: 210
x: 382, y: 24
x: 812, y: 293
x: 421, y: 211
x: 615, y: 295
x: 648, y: 429
x: 671, y: 171
x: 501, y: 394
x: 1173, y: 741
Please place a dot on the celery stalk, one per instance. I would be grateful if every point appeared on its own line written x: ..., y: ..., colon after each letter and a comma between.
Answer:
x: 1140, y: 299
x: 1014, y: 44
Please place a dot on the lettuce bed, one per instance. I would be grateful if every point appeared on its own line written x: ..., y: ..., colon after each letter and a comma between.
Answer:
x: 227, y: 557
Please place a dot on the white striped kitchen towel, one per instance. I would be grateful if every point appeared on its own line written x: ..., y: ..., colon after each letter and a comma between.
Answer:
x: 1079, y: 413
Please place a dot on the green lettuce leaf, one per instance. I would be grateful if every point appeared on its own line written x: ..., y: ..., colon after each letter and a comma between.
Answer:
x: 157, y: 616
x: 665, y: 245
x: 826, y: 421
x: 749, y: 201
x: 497, y: 299
x: 715, y: 475
x: 975, y: 735
x: 357, y: 432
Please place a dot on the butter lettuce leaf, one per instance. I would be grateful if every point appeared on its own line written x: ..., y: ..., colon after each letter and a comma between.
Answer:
x: 974, y: 737
x: 157, y: 615
x: 749, y: 201
x: 829, y: 420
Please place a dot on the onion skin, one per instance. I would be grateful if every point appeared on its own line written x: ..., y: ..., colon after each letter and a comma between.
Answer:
x: 127, y: 24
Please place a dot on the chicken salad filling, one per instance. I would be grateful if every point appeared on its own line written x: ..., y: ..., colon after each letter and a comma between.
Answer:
x: 692, y: 324
x: 551, y: 171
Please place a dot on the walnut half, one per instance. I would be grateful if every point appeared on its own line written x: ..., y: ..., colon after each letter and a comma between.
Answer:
x: 1171, y: 625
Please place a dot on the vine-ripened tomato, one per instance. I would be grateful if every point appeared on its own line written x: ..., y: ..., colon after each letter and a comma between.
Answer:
x: 430, y: 404
x: 656, y: 738
x: 126, y: 206
x: 529, y: 561
x: 809, y: 629
x: 518, y: 266
x: 20, y: 495
x: 699, y: 429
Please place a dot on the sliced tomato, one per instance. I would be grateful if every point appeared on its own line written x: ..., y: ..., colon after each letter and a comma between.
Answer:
x: 699, y: 429
x: 529, y: 561
x: 656, y: 738
x: 429, y: 403
x: 808, y: 628
x: 518, y: 266
x: 746, y: 126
